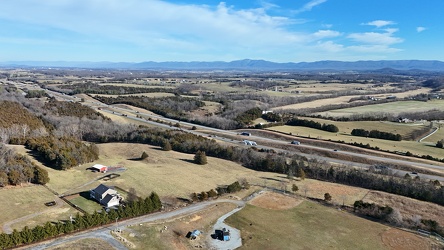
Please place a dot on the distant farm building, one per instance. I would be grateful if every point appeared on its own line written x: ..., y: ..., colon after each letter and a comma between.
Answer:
x: 250, y: 143
x: 100, y: 168
x: 105, y: 195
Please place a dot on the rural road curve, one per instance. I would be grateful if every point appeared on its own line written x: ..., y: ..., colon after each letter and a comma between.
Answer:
x: 104, y: 232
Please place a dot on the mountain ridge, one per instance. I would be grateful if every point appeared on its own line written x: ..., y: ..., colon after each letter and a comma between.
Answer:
x: 245, y: 64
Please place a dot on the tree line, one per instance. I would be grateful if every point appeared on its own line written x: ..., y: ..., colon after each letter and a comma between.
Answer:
x: 132, y: 209
x: 16, y: 169
x: 63, y: 153
x: 95, y: 88
x: 313, y: 124
x: 376, y: 134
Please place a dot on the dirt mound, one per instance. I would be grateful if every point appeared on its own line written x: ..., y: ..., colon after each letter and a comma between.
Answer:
x: 275, y: 201
x: 399, y: 240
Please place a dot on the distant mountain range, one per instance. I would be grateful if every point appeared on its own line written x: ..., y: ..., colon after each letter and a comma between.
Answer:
x: 246, y: 64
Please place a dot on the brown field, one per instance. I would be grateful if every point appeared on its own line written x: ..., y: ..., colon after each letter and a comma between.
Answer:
x: 312, y: 86
x: 341, y: 194
x: 345, y: 99
x: 84, y: 244
x: 317, y: 227
x: 424, y: 148
x: 29, y: 200
x: 407, y: 206
x: 174, y: 237
x: 317, y: 103
x: 275, y: 201
x: 397, y: 239
x: 393, y: 108
x: 141, y: 85
x: 151, y: 95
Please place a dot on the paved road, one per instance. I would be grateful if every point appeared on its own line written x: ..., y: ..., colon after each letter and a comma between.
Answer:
x: 104, y: 232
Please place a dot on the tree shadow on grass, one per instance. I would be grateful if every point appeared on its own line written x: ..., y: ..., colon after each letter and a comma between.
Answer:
x: 135, y: 159
x: 188, y: 160
x: 38, y: 157
x: 271, y: 179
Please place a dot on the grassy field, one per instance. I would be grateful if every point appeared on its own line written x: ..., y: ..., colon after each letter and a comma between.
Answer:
x: 392, y: 108
x: 312, y: 226
x: 420, y: 148
x: 86, y: 204
x: 346, y: 99
x: 148, y: 236
x: 18, y: 202
x: 83, y: 244
x: 153, y: 95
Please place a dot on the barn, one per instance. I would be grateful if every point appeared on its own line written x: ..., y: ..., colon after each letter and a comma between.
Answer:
x: 100, y: 168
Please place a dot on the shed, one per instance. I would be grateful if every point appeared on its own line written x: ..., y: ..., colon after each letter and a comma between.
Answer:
x: 194, y: 234
x: 100, y: 168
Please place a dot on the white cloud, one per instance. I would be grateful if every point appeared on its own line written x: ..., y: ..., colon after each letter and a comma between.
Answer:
x: 330, y: 46
x: 379, y: 23
x: 155, y: 22
x: 374, y: 49
x: 310, y: 5
x: 420, y: 29
x: 320, y: 34
x: 386, y: 38
x: 159, y: 30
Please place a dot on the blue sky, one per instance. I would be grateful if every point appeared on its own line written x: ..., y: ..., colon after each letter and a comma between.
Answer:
x: 208, y: 30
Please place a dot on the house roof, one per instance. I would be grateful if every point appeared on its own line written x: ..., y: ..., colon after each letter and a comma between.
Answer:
x: 99, y: 166
x: 108, y: 198
x: 102, y: 189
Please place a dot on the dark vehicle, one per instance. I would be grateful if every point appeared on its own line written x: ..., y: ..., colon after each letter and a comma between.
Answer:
x: 245, y: 133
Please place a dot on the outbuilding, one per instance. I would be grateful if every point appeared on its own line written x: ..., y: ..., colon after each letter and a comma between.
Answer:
x: 100, y: 168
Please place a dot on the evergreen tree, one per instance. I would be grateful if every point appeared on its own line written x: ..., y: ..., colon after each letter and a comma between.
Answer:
x: 27, y: 235
x: 144, y: 156
x: 38, y: 232
x: 300, y: 173
x: 5, y: 241
x: 212, y: 193
x: 327, y: 197
x: 166, y: 146
x: 200, y: 158
x: 294, y: 188
x: 41, y: 176
x: 157, y: 204
x: 16, y: 237
x: 194, y: 197
x: 68, y: 227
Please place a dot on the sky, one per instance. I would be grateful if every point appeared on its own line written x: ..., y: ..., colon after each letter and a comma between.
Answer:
x: 208, y: 30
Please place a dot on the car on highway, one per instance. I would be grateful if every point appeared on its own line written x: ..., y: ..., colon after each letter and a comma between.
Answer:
x: 245, y: 133
x: 296, y: 142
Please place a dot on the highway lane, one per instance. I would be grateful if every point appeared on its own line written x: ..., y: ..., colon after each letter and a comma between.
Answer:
x: 132, y: 114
